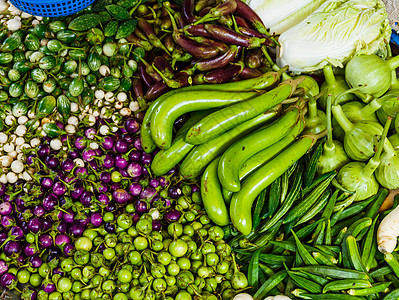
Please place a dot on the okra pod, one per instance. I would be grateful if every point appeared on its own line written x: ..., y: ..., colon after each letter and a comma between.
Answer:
x: 346, y: 284
x: 354, y: 254
x: 328, y: 237
x: 305, y: 255
x: 291, y: 197
x: 316, y: 208
x: 319, y: 236
x: 374, y: 208
x: 392, y: 262
x: 321, y: 259
x: 354, y: 209
x: 381, y: 272
x: 316, y: 278
x: 367, y: 245
x: 393, y: 295
x: 269, y: 284
x: 306, y: 284
x: 345, y: 203
x: 333, y: 272
x: 377, y: 288
x: 308, y: 201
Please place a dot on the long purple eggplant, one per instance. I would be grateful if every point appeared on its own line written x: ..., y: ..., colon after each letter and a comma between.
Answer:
x: 137, y: 88
x: 246, y: 12
x: 155, y: 90
x: 197, y: 30
x: 226, y: 8
x: 241, y: 22
x: 187, y: 11
x: 203, y: 3
x: 229, y: 36
x: 163, y: 65
x: 149, y: 32
x: 145, y: 78
x: 248, y: 73
x: 224, y: 74
x: 223, y: 47
x: 253, y: 33
x: 146, y: 45
x: 169, y: 43
x: 196, y: 49
x: 218, y: 62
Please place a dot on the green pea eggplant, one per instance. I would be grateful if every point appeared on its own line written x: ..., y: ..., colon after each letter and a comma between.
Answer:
x: 359, y: 177
x: 387, y: 172
x: 389, y: 106
x: 333, y: 156
x: 372, y: 73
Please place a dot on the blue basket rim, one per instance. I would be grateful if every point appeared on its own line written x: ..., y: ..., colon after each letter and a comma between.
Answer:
x: 45, y: 2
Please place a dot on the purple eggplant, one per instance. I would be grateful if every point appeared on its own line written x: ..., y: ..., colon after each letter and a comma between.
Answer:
x: 6, y: 208
x: 172, y: 215
x: 35, y: 261
x: 155, y: 90
x: 12, y: 248
x: 232, y: 37
x: 30, y: 249
x: 218, y: 62
x: 108, y: 143
x: 96, y: 219
x: 8, y: 280
x: 121, y: 196
x: 3, y: 267
x: 248, y: 73
x: 141, y: 206
x: 62, y: 239
x: 45, y: 240
x: 121, y: 162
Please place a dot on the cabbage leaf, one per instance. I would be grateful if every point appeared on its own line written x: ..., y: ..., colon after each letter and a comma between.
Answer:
x: 280, y: 15
x: 335, y: 32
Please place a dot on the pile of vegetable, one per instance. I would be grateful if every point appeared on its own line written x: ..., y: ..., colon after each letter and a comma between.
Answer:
x: 160, y: 150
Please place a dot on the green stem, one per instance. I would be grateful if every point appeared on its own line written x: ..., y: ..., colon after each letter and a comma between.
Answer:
x: 312, y: 108
x: 352, y: 90
x: 372, y: 107
x: 329, y: 144
x: 374, y: 162
x: 393, y: 63
x: 341, y: 118
x: 329, y: 76
x: 394, y: 81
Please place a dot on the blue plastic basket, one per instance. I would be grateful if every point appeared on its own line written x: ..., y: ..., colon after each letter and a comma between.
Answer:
x: 51, y: 8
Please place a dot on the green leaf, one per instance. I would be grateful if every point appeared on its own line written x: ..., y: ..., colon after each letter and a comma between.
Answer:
x: 118, y: 12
